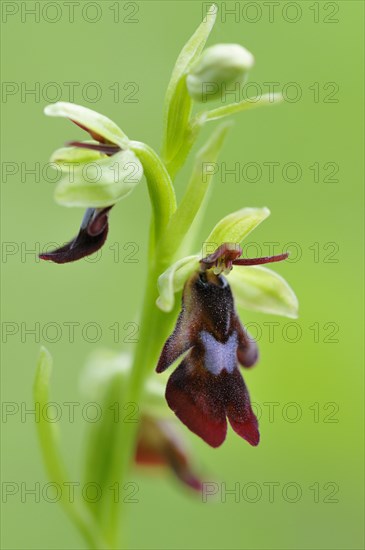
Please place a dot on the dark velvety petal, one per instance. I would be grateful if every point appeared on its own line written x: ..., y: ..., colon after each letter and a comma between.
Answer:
x: 92, y: 235
x: 193, y: 393
x: 247, y: 351
x: 238, y: 407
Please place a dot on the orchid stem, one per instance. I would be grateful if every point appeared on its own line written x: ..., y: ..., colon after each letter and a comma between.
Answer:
x: 163, y: 201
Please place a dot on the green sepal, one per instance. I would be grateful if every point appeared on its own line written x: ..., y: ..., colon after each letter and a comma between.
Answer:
x: 261, y: 289
x: 99, y: 183
x: 66, y: 155
x: 235, y: 227
x: 89, y: 119
x: 173, y: 280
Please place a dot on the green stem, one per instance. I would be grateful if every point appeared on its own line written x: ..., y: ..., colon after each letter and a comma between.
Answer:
x: 163, y: 201
x: 154, y: 327
x: 159, y: 184
x: 191, y: 134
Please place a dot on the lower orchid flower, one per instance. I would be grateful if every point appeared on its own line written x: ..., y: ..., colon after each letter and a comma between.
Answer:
x: 207, y: 387
x: 159, y: 444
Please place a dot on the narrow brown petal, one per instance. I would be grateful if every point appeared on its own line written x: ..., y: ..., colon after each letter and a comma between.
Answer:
x: 260, y: 261
x: 101, y: 147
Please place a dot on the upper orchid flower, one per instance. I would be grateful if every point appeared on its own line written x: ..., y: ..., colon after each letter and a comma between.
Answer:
x: 207, y: 386
x: 95, y: 174
x: 91, y: 236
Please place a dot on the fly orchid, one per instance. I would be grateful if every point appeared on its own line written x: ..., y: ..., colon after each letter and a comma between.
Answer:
x: 94, y: 174
x: 91, y: 236
x: 207, y: 387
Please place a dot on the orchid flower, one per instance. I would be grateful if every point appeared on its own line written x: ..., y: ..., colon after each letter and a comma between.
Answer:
x: 95, y: 174
x: 207, y: 387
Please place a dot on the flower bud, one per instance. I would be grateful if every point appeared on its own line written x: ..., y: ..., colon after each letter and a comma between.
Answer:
x: 218, y: 69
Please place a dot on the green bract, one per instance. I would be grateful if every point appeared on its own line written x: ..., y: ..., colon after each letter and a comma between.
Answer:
x: 219, y: 69
x: 256, y: 288
x: 177, y: 101
x: 244, y: 105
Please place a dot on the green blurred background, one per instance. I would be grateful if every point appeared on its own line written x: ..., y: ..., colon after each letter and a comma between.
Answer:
x: 321, y: 373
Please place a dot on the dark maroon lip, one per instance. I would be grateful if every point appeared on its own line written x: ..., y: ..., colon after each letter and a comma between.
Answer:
x: 207, y: 390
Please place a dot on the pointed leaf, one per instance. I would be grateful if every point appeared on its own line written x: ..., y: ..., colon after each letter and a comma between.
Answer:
x: 100, y: 183
x: 48, y: 437
x: 261, y: 289
x: 178, y: 103
x: 47, y: 431
x: 192, y: 49
x: 90, y: 120
x: 177, y: 124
